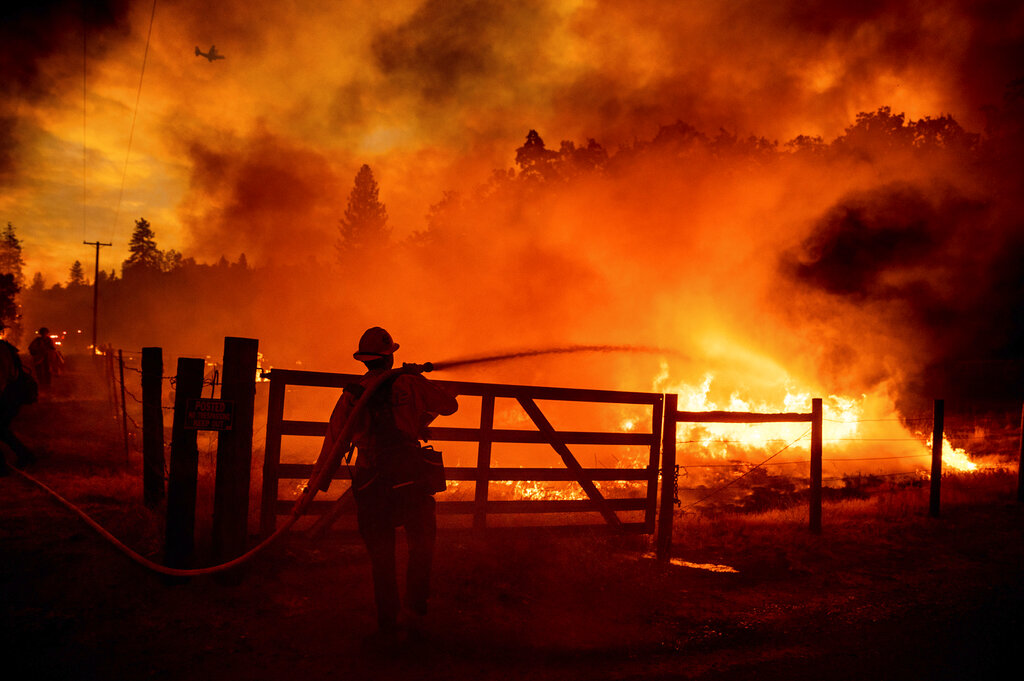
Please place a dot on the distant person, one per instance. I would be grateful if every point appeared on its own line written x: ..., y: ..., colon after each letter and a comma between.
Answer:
x: 16, y: 388
x: 386, y: 435
x: 46, y: 358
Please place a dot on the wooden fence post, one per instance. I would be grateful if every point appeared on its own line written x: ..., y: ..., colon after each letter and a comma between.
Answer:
x: 816, y: 447
x: 272, y: 457
x: 152, y: 426
x: 184, y: 469
x: 663, y: 551
x: 234, y: 451
x: 936, y: 486
x: 124, y: 408
x: 483, y: 463
x: 108, y: 366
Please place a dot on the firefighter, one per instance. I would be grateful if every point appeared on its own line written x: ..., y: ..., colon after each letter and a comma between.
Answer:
x: 15, y: 391
x: 46, y: 358
x: 387, y: 438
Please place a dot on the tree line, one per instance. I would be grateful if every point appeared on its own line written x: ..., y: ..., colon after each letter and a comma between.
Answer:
x: 365, y: 234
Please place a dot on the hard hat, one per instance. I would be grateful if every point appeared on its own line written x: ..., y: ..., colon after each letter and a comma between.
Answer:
x: 375, y: 343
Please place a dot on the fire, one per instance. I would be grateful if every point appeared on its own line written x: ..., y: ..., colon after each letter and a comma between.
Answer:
x: 841, y: 418
x: 954, y: 458
x: 861, y: 433
x: 858, y: 429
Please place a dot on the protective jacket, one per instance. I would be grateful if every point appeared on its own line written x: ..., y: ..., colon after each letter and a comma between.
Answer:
x: 414, y: 401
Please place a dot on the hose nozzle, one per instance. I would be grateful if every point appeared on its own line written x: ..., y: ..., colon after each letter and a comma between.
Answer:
x: 410, y: 368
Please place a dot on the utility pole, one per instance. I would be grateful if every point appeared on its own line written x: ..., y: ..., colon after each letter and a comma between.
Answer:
x: 95, y: 289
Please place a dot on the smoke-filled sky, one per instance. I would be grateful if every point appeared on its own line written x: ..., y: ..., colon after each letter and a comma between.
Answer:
x: 864, y: 271
x: 256, y: 153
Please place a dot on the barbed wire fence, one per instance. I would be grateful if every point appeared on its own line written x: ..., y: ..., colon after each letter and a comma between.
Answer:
x: 123, y: 377
x: 124, y: 388
x: 1010, y: 443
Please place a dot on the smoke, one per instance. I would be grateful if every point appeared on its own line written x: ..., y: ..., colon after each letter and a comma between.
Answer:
x: 924, y: 277
x: 838, y: 268
x: 262, y: 196
x: 37, y: 63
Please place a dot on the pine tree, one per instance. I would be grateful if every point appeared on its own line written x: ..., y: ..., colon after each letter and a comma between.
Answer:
x: 144, y: 255
x: 76, y: 276
x: 38, y: 283
x: 534, y: 160
x: 11, y: 261
x: 364, y: 229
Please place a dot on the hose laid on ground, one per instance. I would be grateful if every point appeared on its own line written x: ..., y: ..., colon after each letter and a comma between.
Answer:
x: 321, y: 470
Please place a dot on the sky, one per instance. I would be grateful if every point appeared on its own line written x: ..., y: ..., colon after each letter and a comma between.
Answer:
x: 107, y: 114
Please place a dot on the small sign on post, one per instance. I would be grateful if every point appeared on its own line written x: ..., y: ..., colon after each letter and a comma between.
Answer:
x: 205, y: 413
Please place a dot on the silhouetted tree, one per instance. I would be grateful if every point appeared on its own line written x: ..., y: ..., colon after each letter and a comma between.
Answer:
x: 11, y: 261
x: 364, y: 228
x: 171, y: 260
x: 807, y: 145
x: 446, y: 222
x: 8, y: 300
x: 941, y: 133
x: 76, y: 276
x: 679, y: 137
x: 573, y: 160
x: 877, y: 132
x: 534, y: 161
x: 144, y: 255
x: 38, y: 283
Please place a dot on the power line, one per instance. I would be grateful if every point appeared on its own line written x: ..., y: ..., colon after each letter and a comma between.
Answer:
x: 135, y: 113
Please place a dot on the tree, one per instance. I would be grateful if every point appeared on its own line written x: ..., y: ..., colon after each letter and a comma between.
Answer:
x: 534, y: 161
x: 876, y: 133
x: 144, y: 255
x: 8, y: 300
x: 76, y: 276
x: 364, y: 229
x: 11, y: 261
x: 171, y: 260
x: 38, y: 283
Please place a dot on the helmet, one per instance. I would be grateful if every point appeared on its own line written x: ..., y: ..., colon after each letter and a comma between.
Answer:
x: 374, y: 344
x: 44, y: 331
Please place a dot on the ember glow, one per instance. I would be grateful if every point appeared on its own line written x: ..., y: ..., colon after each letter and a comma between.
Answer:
x: 807, y: 199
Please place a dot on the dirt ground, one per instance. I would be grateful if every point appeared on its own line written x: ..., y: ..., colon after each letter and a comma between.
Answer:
x: 898, y: 596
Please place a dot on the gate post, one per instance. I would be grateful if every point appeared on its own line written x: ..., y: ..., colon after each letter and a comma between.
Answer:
x: 938, y: 426
x: 815, y: 513
x: 234, y: 450
x: 272, y: 457
x: 668, y: 478
x: 184, y: 469
x: 124, y: 408
x: 483, y: 463
x: 152, y: 426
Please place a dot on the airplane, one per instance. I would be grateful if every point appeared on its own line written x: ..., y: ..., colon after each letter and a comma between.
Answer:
x: 211, y: 55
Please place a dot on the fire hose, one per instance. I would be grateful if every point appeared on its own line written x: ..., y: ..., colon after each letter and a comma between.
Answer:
x: 320, y: 472
x: 325, y: 466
